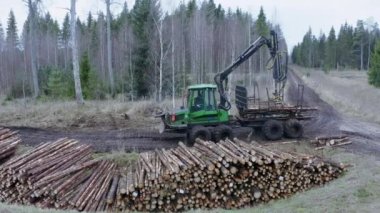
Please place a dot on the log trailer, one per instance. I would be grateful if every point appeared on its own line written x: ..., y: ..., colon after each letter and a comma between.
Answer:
x: 205, y: 119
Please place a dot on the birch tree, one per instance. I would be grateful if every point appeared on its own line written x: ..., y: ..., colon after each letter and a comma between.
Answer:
x: 32, y: 5
x: 197, y: 34
x: 74, y: 47
x: 370, y: 26
x: 109, y: 48
x: 173, y: 65
x: 161, y: 43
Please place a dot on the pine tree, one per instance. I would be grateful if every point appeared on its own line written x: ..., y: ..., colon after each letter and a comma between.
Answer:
x: 89, y: 20
x: 66, y: 28
x: 330, y: 57
x: 322, y: 49
x: 261, y: 24
x: 359, y: 44
x: 262, y: 29
x: 295, y: 54
x: 191, y: 8
x: 85, y: 69
x: 307, y: 49
x: 143, y: 28
x: 57, y: 85
x: 374, y: 70
x: 12, y: 35
x: 210, y: 11
x: 91, y: 86
x: 65, y: 38
x: 2, y: 38
x: 344, y: 46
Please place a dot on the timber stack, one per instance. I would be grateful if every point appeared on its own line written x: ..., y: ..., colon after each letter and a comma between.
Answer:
x: 223, y: 175
x: 331, y: 141
x: 228, y: 174
x: 61, y: 174
x: 8, y: 143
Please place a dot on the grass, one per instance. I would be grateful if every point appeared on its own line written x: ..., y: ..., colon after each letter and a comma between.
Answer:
x: 5, y: 208
x: 68, y: 115
x: 348, y: 91
x: 121, y: 158
x: 357, y: 191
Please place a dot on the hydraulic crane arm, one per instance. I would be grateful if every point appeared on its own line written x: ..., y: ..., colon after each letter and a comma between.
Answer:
x: 222, y: 77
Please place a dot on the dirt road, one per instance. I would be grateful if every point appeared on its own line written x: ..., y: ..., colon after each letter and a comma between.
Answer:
x: 104, y: 140
x: 364, y: 135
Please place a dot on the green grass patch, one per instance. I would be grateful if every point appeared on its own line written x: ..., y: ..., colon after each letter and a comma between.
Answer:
x: 362, y: 193
x: 121, y: 158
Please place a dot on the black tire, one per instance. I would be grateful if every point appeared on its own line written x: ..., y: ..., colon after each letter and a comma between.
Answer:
x: 222, y: 132
x: 200, y: 132
x: 293, y: 128
x: 273, y: 130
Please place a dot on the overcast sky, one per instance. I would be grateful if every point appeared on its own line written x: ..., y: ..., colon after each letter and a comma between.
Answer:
x: 295, y: 16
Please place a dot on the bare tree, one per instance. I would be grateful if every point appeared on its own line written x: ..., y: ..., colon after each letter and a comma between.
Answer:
x: 109, y: 48
x: 74, y: 46
x: 173, y: 66
x: 161, y: 42
x: 370, y: 25
x: 32, y: 5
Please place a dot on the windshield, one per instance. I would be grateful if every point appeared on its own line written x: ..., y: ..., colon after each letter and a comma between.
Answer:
x: 202, y: 99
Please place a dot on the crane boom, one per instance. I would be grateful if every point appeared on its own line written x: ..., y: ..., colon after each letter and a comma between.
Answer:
x: 222, y: 77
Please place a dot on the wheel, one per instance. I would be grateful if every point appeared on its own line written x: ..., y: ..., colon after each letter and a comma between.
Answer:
x: 200, y: 132
x: 273, y: 130
x: 222, y: 132
x: 293, y: 128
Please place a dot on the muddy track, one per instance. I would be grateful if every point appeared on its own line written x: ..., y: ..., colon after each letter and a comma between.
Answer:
x: 328, y: 121
x: 129, y: 140
x: 104, y: 140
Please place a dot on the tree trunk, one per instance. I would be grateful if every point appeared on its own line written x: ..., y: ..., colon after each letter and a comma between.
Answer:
x: 33, y: 50
x: 159, y: 28
x: 74, y: 47
x: 131, y: 73
x: 250, y: 60
x: 109, y: 49
x: 173, y: 66
x: 361, y: 55
x: 369, y: 51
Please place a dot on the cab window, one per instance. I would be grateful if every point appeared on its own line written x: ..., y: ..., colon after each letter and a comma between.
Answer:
x: 197, y: 100
x: 211, y: 99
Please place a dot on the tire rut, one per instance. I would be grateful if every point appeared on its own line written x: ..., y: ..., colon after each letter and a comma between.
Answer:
x: 328, y: 121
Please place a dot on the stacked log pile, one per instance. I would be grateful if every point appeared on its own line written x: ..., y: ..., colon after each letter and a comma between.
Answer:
x: 228, y: 174
x: 223, y: 175
x: 331, y: 141
x: 8, y: 143
x: 61, y: 174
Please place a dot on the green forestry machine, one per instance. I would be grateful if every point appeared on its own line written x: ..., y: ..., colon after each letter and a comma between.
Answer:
x: 204, y: 118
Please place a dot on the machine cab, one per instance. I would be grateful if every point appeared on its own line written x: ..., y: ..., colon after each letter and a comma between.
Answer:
x: 202, y: 106
x: 201, y: 109
x: 201, y: 98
